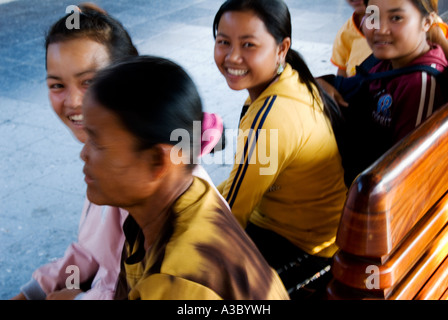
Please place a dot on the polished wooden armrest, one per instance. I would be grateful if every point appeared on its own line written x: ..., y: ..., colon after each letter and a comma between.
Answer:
x: 387, y: 200
x: 351, y: 270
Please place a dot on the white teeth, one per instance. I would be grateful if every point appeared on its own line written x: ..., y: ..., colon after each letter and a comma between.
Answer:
x: 77, y: 117
x: 237, y: 72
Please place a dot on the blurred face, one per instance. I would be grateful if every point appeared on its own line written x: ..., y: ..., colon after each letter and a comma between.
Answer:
x: 401, y: 37
x: 246, y: 53
x: 358, y: 6
x: 71, y: 65
x: 115, y: 172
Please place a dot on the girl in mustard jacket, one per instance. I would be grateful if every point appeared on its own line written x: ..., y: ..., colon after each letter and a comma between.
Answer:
x: 286, y: 187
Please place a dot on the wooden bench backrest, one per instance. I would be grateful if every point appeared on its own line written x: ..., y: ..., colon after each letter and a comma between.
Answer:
x: 388, y: 199
x: 396, y: 219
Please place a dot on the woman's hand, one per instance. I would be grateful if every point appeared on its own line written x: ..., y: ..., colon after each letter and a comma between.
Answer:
x: 64, y: 294
x: 20, y: 296
x: 332, y: 92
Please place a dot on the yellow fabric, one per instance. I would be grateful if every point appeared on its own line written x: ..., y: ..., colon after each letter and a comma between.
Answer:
x: 207, y: 256
x: 302, y: 199
x: 350, y: 48
x: 167, y: 287
x: 442, y: 25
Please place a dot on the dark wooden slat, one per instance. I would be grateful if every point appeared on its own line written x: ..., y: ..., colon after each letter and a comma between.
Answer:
x: 390, y: 197
x: 339, y: 291
x: 445, y: 295
x: 409, y: 287
x: 351, y: 270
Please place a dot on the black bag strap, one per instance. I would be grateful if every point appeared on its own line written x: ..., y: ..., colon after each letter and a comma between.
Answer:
x: 371, y: 61
x: 348, y: 87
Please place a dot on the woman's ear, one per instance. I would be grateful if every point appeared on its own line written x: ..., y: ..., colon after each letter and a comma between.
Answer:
x: 284, y: 47
x: 428, y: 21
x: 159, y: 160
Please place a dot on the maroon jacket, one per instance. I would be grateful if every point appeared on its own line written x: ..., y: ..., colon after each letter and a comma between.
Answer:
x: 388, y: 109
x: 404, y: 102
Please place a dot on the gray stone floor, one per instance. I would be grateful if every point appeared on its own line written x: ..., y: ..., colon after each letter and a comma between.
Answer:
x: 41, y: 183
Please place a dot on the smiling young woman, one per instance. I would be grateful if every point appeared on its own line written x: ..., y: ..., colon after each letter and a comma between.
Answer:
x: 246, y: 54
x: 71, y: 65
x: 293, y: 213
x: 73, y: 57
x: 401, y: 37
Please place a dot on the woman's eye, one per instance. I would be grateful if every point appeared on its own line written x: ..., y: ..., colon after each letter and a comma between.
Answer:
x: 222, y: 42
x: 396, y: 18
x: 55, y: 86
x: 95, y: 145
x: 87, y: 82
x: 248, y: 45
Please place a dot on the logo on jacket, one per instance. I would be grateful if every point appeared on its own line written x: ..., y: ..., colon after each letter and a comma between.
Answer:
x: 383, y: 114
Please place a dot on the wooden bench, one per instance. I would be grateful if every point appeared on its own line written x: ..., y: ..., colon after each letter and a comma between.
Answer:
x: 393, y: 234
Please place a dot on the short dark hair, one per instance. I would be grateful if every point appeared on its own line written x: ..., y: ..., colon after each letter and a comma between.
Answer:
x: 97, y: 25
x: 153, y: 97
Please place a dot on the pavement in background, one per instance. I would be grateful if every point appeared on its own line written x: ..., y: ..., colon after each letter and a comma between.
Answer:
x: 41, y: 181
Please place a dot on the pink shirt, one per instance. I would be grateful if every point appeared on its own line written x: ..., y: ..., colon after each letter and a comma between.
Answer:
x: 97, y: 254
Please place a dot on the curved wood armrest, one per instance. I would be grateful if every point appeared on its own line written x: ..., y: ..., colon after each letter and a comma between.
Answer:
x: 389, y: 198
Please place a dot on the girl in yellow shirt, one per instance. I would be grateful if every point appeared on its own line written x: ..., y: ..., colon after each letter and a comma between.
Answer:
x: 286, y: 186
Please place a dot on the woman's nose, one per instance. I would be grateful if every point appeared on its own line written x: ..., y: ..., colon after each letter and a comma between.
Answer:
x: 234, y: 55
x: 382, y: 27
x: 74, y: 98
x: 83, y: 153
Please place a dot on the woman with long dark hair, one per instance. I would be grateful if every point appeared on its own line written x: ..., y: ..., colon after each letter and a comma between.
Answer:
x: 291, y: 206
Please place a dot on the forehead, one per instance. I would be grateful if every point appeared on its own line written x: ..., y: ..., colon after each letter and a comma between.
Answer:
x: 241, y: 22
x: 100, y: 122
x: 76, y: 54
x: 388, y: 5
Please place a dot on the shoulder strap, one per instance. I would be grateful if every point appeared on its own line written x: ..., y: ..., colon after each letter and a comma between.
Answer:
x: 398, y: 72
x: 371, y: 61
x: 349, y: 87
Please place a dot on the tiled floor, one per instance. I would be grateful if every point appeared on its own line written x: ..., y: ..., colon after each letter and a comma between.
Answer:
x: 41, y: 183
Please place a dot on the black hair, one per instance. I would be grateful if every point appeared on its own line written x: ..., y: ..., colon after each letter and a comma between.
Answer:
x: 95, y: 24
x: 277, y: 19
x: 153, y: 97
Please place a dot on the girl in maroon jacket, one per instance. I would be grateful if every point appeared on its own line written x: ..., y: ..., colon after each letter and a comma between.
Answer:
x: 402, y: 103
x: 392, y: 107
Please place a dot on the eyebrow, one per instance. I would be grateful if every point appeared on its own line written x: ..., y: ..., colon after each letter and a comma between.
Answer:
x: 241, y: 37
x: 78, y: 75
x: 92, y: 133
x: 395, y: 10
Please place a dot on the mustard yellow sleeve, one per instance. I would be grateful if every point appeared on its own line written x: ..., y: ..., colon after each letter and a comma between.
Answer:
x: 441, y: 24
x: 166, y: 287
x: 342, y: 47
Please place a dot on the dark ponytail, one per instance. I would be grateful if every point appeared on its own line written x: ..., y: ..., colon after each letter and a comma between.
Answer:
x: 277, y: 19
x: 97, y: 25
